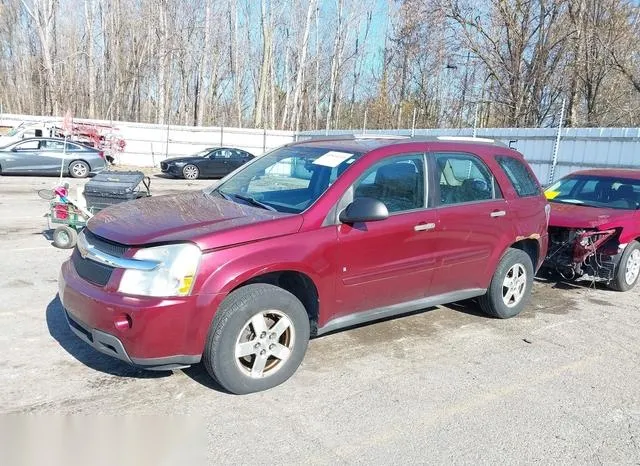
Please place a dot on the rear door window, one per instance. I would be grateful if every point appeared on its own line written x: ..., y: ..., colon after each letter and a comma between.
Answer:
x: 520, y: 176
x: 464, y: 178
x: 52, y: 145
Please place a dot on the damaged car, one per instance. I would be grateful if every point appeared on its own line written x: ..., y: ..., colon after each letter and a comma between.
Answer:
x: 594, y: 229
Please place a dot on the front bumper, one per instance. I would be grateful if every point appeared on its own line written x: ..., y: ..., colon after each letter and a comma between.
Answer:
x: 170, y: 169
x: 583, y: 252
x: 152, y: 333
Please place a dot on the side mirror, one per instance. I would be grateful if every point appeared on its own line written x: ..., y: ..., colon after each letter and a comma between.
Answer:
x: 364, y: 209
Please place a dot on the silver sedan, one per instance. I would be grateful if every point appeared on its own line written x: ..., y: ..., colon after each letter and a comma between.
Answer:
x: 47, y: 155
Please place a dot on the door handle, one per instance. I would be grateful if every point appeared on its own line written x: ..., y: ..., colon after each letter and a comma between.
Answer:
x: 424, y: 227
x: 498, y: 213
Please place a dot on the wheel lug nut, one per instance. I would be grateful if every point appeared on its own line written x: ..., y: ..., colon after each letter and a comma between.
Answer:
x: 263, y: 334
x: 256, y: 346
x: 263, y: 352
x: 272, y: 346
x: 272, y: 336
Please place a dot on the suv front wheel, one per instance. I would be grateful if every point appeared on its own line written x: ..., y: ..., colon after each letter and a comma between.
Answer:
x: 257, y: 339
x: 510, y: 286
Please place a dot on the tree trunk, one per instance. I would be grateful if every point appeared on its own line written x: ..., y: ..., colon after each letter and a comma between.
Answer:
x: 264, y: 69
x: 302, y: 63
x: 335, y: 59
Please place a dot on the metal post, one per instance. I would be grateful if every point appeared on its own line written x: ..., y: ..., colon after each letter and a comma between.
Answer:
x: 475, y: 122
x: 264, y: 140
x: 221, y: 134
x: 166, y: 147
x: 554, y: 160
x: 364, y: 125
x: 64, y: 155
x: 413, y: 124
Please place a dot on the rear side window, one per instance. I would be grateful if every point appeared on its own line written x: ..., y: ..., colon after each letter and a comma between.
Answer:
x: 464, y: 178
x: 521, y: 178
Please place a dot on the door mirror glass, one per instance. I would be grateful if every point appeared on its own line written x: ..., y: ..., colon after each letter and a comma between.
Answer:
x: 364, y: 209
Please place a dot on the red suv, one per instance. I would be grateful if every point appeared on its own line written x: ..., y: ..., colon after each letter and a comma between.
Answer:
x: 310, y: 238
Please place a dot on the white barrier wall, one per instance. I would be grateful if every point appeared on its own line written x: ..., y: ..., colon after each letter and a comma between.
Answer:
x: 579, y: 148
x: 147, y: 144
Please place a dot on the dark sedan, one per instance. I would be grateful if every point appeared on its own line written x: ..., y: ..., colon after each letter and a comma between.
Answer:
x: 46, y: 156
x: 209, y: 163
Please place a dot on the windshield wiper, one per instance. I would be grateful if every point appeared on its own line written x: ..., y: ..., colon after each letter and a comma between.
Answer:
x: 568, y: 201
x: 253, y: 201
x: 223, y: 194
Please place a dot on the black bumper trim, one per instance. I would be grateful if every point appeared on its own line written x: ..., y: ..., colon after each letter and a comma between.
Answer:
x: 112, y: 346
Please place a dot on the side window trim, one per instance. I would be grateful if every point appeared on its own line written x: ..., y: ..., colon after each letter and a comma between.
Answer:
x: 497, y: 193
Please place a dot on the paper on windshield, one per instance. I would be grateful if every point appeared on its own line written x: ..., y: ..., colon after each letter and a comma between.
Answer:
x: 332, y: 158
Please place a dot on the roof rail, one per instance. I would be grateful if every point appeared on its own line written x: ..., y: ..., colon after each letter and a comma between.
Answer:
x: 349, y: 136
x: 471, y: 139
x: 353, y: 136
x: 380, y: 136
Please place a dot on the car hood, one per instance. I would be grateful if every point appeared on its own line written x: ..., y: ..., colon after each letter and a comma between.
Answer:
x: 183, y: 159
x: 207, y: 220
x: 577, y: 216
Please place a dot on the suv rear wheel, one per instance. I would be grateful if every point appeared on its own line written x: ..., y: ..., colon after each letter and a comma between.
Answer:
x: 257, y: 339
x: 510, y: 286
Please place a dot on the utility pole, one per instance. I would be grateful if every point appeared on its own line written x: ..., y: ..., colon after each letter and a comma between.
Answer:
x: 554, y: 160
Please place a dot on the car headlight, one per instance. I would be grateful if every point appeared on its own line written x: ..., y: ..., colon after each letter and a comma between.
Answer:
x: 174, y: 275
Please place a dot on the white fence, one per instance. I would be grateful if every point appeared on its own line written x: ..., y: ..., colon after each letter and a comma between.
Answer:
x: 147, y: 144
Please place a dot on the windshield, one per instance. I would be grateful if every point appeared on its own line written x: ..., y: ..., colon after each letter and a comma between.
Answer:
x: 202, y: 153
x: 596, y: 191
x: 288, y: 179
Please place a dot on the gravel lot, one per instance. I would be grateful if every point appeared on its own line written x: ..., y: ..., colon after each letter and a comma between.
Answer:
x: 559, y: 383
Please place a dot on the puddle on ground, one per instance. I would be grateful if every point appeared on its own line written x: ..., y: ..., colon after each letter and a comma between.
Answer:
x: 600, y: 302
x: 18, y: 284
x: 547, y: 299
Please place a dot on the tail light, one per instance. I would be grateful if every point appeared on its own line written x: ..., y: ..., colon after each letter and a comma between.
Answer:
x: 101, y: 154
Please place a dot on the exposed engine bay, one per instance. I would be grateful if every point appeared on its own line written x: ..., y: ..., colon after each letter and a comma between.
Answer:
x: 574, y: 253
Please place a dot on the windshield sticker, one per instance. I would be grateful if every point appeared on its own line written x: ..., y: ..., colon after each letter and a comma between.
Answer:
x: 332, y: 159
x: 551, y: 194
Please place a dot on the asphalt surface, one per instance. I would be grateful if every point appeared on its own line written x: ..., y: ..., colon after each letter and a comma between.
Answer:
x: 558, y: 384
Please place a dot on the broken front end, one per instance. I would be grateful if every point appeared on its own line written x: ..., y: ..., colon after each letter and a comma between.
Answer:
x: 575, y: 253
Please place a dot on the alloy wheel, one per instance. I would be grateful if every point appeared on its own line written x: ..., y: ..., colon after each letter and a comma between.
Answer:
x: 632, y: 267
x: 264, y: 344
x: 514, y: 285
x: 190, y: 172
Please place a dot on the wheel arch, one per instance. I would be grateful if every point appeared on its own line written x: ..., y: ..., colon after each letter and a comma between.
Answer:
x: 298, y: 283
x: 531, y: 247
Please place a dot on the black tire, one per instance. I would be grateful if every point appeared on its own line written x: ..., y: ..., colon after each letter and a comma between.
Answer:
x: 190, y: 172
x: 79, y: 169
x: 64, y: 237
x: 231, y: 324
x: 620, y: 282
x: 493, y: 303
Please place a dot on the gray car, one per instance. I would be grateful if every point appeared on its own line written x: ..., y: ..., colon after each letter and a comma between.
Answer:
x: 43, y: 156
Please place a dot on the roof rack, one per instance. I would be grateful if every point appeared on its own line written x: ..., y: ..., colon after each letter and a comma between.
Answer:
x: 466, y: 138
x: 351, y: 136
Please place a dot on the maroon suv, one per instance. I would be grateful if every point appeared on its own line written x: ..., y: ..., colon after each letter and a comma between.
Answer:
x: 310, y: 238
